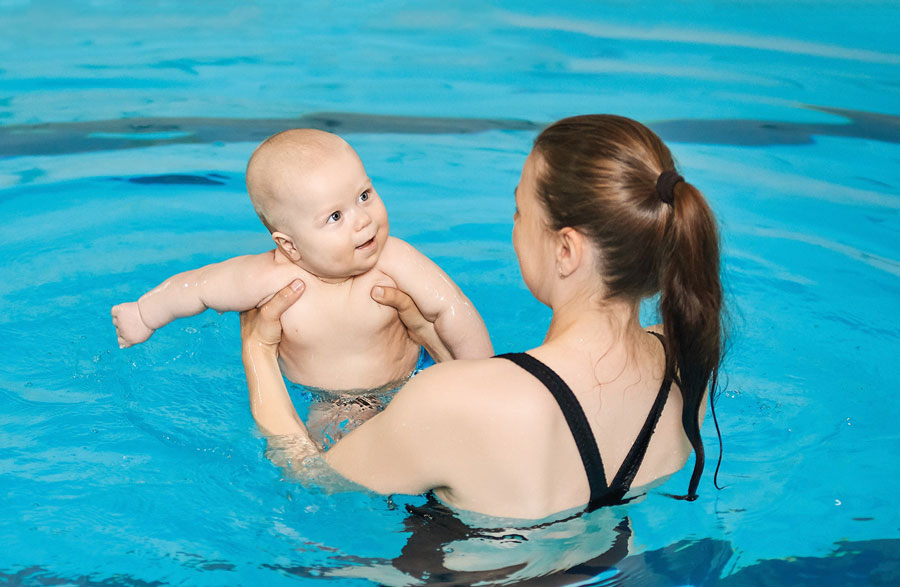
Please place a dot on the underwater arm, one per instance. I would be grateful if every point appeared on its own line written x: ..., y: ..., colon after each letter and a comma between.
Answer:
x: 440, y: 300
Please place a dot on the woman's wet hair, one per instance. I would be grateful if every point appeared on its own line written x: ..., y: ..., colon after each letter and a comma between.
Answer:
x: 600, y: 175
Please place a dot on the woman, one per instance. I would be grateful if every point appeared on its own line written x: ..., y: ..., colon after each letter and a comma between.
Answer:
x: 602, y: 221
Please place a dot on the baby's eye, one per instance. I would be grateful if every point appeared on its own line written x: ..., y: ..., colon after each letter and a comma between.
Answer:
x: 335, y: 216
x: 364, y: 196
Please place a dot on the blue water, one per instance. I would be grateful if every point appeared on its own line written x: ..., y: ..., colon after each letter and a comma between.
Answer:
x: 124, y: 132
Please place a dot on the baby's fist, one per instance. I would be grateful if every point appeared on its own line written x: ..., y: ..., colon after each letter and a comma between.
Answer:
x: 130, y: 327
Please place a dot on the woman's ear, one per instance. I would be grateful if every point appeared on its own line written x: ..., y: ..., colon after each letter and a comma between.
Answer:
x: 570, y: 250
x: 286, y: 245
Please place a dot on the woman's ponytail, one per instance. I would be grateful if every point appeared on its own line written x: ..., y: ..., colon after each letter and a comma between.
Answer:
x: 691, y: 308
x: 613, y: 178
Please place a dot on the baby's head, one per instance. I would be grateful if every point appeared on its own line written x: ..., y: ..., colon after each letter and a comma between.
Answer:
x: 311, y: 191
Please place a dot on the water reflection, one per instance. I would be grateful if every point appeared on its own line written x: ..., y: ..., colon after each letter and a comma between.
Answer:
x: 442, y: 549
x: 591, y: 549
x: 448, y: 548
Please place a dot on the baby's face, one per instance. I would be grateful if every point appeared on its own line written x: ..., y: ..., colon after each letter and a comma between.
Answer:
x: 338, y: 222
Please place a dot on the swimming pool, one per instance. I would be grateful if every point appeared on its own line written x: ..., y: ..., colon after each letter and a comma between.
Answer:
x: 125, y: 131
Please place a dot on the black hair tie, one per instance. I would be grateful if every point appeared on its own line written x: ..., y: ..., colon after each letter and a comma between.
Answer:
x: 665, y: 185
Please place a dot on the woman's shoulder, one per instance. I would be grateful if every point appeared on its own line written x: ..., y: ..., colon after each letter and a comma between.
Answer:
x: 487, y: 373
x: 472, y: 383
x: 472, y: 396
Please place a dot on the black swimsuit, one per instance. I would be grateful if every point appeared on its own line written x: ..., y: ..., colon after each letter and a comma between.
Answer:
x: 601, y: 493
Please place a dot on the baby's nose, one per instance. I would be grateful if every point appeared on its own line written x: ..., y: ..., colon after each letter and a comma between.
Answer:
x: 362, y: 220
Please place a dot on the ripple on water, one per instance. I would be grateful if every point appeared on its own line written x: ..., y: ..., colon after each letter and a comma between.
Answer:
x: 888, y: 265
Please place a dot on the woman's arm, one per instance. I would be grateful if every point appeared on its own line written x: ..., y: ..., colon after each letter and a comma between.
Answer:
x: 270, y: 402
x: 407, y: 447
x: 394, y: 452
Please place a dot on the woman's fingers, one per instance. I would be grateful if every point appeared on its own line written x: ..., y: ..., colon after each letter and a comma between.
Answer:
x: 393, y: 297
x: 420, y: 328
x: 410, y: 315
x: 263, y: 324
x: 284, y: 299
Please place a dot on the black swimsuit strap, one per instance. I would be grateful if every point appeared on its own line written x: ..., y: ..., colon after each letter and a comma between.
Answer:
x: 601, y: 493
x: 577, y: 421
x: 635, y: 456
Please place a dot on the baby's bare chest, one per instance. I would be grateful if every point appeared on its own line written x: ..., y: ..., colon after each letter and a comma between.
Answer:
x: 340, y: 314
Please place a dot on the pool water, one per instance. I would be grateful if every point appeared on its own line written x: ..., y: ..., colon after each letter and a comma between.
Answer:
x: 125, y: 131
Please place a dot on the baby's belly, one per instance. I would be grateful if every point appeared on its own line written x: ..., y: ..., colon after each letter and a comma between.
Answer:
x: 338, y: 338
x: 352, y: 367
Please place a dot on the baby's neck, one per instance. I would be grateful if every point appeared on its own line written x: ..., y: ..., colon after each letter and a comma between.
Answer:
x: 334, y: 280
x: 281, y: 257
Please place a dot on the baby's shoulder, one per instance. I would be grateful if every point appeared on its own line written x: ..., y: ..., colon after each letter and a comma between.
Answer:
x: 276, y: 262
x: 395, y: 247
x: 259, y: 261
x: 400, y: 257
x: 271, y: 270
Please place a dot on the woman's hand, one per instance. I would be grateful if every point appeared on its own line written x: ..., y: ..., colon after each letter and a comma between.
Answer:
x: 421, y: 330
x: 262, y: 326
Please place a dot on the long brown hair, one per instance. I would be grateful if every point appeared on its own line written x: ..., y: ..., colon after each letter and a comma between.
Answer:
x: 600, y: 177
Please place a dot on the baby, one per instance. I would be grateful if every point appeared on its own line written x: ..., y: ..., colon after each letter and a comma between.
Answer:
x: 330, y: 228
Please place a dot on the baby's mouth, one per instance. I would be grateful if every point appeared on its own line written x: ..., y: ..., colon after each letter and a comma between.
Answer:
x: 371, y: 241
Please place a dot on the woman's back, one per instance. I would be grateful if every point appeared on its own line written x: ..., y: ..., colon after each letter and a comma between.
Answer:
x: 632, y: 406
x: 504, y: 442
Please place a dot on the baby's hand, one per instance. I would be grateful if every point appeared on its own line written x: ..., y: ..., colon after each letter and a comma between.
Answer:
x: 130, y: 327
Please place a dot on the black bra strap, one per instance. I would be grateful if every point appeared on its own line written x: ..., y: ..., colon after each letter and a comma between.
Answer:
x: 577, y: 421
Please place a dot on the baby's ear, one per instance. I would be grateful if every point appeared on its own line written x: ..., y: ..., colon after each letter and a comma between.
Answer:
x: 286, y: 245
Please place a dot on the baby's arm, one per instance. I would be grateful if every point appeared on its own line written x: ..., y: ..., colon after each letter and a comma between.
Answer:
x: 237, y: 284
x: 439, y: 299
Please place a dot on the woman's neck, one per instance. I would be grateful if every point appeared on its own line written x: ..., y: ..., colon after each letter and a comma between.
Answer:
x: 605, y: 335
x: 592, y: 322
